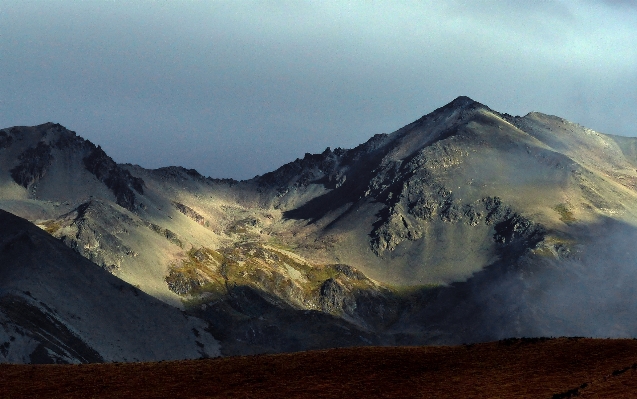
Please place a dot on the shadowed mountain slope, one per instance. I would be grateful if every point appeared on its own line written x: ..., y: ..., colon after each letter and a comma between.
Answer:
x: 56, y: 306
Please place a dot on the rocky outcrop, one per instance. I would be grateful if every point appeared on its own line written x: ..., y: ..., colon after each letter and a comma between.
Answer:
x: 334, y: 298
x: 33, y: 165
x: 507, y: 228
x: 329, y: 168
x: 5, y: 139
x: 510, y: 226
x: 91, y: 230
x: 189, y: 212
x: 183, y: 282
x: 118, y: 180
x: 302, y: 171
x: 421, y: 201
x: 166, y: 233
x: 198, y: 273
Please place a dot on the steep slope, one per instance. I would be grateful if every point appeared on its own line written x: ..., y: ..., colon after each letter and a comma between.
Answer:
x: 50, y: 162
x: 433, y: 202
x: 501, y: 213
x: 171, y: 239
x: 57, y: 307
x: 76, y: 192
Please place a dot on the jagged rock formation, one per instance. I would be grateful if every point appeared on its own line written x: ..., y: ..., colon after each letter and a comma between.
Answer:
x: 5, y: 139
x: 33, y: 165
x: 93, y: 236
x: 51, y: 147
x: 118, y: 180
x: 166, y: 233
x: 188, y: 211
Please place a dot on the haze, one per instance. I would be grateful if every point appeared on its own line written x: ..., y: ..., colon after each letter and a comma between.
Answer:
x: 235, y: 89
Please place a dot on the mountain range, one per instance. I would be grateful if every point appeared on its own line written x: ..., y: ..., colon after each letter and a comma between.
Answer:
x: 467, y: 225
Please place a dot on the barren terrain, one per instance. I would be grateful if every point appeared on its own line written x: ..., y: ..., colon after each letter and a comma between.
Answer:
x: 516, y: 368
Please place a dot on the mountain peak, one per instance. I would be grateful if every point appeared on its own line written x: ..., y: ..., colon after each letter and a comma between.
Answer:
x: 463, y: 102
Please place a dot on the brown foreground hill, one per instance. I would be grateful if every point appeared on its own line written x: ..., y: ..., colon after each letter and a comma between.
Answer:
x: 513, y: 368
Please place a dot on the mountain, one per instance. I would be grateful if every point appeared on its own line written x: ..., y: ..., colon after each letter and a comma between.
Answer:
x: 57, y: 307
x: 466, y: 225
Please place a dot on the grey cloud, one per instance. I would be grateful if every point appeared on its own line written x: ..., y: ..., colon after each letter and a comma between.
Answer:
x: 239, y: 88
x: 619, y: 3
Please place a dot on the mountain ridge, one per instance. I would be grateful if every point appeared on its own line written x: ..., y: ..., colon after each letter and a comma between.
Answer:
x: 419, y: 236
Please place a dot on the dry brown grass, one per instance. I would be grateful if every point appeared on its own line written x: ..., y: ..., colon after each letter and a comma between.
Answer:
x: 506, y: 369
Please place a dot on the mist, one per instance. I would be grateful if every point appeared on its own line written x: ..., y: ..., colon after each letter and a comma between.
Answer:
x: 586, y: 289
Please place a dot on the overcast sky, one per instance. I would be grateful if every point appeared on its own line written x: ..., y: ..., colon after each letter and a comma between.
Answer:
x: 238, y: 88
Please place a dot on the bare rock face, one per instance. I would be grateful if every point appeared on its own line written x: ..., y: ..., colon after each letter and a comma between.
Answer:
x: 91, y: 230
x: 52, y: 156
x: 417, y: 193
x: 118, y: 180
x: 189, y: 212
x: 166, y: 233
x: 5, y: 139
x: 343, y: 173
x: 333, y: 298
x: 33, y: 165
